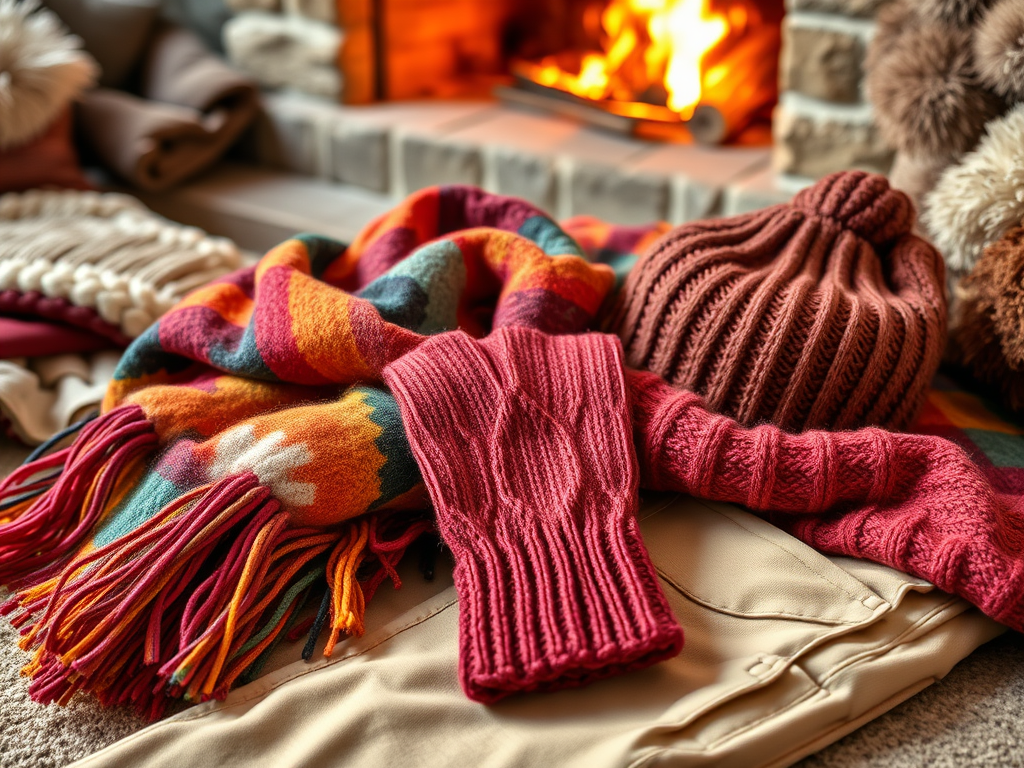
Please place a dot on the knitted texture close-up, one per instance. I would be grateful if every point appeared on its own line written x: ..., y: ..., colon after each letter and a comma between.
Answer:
x: 914, y: 502
x: 824, y: 312
x: 525, y: 445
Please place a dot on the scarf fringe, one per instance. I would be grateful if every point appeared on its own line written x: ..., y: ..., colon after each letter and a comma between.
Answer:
x: 350, y: 584
x: 348, y: 604
x: 49, y: 506
x: 185, y: 603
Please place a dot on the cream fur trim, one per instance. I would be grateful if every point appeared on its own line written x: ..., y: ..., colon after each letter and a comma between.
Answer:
x: 978, y: 199
x: 42, y: 70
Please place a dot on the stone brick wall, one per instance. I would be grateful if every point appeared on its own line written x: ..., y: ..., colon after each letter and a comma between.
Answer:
x: 823, y: 122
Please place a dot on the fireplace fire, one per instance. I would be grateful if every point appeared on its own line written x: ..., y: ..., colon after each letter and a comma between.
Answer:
x: 675, y: 68
x: 706, y: 65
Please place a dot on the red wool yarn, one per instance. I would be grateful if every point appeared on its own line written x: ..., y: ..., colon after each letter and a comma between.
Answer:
x: 916, y: 503
x: 525, y: 446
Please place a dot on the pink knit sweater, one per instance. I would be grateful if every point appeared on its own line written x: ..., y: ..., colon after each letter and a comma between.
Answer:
x: 913, y: 502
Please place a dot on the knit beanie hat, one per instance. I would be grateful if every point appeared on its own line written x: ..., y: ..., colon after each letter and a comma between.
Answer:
x: 826, y: 312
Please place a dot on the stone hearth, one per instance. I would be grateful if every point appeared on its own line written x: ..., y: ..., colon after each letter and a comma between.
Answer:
x: 396, y: 148
x: 822, y: 124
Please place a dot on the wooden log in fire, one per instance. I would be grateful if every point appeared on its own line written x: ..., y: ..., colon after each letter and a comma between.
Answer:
x: 541, y: 97
x: 737, y: 88
x: 710, y: 124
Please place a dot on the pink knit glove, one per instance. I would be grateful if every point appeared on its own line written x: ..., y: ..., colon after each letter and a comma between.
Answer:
x: 525, y: 445
x: 913, y: 502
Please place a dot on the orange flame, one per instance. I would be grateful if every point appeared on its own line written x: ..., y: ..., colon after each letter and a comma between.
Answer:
x: 647, y: 43
x: 710, y: 63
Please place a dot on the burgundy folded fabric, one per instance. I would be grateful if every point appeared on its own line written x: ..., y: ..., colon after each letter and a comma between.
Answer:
x: 525, y: 445
x: 33, y: 304
x: 31, y: 338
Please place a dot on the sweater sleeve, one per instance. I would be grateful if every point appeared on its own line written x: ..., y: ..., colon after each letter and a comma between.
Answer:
x: 525, y: 446
x: 913, y: 502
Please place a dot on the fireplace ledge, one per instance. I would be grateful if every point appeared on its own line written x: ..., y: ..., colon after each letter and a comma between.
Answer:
x: 566, y: 169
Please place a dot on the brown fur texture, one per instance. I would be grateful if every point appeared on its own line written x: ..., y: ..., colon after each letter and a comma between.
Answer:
x: 999, y: 49
x: 989, y: 338
x: 916, y: 175
x: 957, y: 12
x: 892, y: 21
x: 927, y: 96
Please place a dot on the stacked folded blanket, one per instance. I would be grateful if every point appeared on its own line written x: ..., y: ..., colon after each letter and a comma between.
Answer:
x: 82, y: 272
x: 285, y: 430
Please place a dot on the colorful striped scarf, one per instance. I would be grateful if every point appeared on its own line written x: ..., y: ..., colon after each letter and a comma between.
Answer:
x: 247, y: 447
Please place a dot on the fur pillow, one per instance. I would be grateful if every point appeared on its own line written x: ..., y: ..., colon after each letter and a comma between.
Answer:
x: 977, y: 200
x: 999, y: 49
x: 42, y: 70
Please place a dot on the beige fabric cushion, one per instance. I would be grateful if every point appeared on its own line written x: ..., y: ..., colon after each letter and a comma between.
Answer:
x: 40, y: 396
x: 786, y: 651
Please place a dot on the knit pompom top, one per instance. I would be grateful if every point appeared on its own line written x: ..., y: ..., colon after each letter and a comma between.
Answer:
x: 826, y: 312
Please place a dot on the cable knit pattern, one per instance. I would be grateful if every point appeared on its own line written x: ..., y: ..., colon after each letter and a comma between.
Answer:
x: 525, y: 446
x: 105, y: 252
x: 916, y: 503
x: 823, y: 313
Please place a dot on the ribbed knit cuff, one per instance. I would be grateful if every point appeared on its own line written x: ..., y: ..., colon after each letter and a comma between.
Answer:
x: 551, y: 606
x: 524, y: 443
